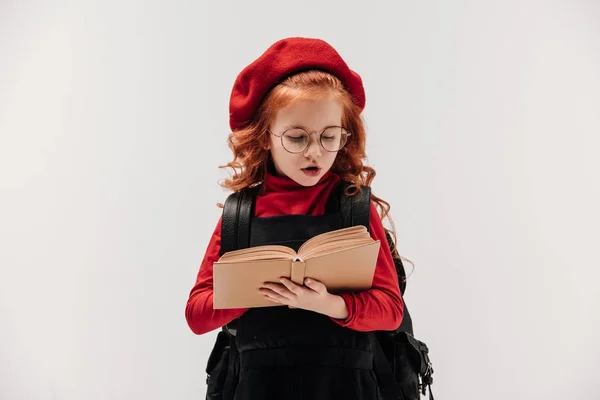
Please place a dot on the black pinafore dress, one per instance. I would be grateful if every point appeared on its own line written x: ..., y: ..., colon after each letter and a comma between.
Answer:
x: 294, y: 354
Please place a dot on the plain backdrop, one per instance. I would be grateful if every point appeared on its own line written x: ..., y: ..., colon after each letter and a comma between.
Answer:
x: 483, y: 120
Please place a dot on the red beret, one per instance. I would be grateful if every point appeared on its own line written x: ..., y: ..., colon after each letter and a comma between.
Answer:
x: 284, y: 58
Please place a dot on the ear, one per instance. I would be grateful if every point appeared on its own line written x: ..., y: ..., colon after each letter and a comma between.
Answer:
x: 266, y: 145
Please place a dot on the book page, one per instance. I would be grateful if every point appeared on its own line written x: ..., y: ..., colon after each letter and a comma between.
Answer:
x: 269, y: 252
x: 335, y: 246
x: 338, y: 236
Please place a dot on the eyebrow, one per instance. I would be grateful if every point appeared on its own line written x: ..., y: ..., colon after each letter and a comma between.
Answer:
x: 303, y: 127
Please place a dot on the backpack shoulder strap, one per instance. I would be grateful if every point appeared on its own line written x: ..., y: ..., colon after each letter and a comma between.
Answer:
x: 235, y: 229
x: 235, y: 224
x: 356, y: 210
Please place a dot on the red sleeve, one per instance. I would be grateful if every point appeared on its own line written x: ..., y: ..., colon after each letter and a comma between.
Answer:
x: 380, y: 308
x: 199, y: 312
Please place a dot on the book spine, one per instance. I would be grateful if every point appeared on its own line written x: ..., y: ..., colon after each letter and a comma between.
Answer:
x: 297, y: 273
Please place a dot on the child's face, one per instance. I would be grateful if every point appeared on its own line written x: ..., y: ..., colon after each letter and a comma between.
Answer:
x: 313, y: 115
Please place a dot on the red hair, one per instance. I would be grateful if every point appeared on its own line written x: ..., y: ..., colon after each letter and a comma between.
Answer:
x: 249, y: 144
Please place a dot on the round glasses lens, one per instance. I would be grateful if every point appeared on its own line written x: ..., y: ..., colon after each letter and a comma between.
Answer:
x: 295, y: 140
x: 333, y: 138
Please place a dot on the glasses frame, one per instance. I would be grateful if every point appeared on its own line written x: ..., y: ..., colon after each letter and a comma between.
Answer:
x: 344, y: 132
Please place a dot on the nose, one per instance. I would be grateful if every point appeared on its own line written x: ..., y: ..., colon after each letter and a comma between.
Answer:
x: 313, y: 149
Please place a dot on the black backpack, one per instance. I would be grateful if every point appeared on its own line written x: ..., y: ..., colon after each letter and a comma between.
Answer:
x: 401, y: 362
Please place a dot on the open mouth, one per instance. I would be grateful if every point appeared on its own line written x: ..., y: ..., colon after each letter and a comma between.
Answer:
x: 311, y: 171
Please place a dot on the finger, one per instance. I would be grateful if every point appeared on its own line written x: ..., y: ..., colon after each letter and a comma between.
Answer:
x: 315, y: 285
x: 279, y: 289
x: 290, y: 285
x: 274, y: 296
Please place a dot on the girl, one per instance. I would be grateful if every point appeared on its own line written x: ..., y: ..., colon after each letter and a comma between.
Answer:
x: 297, y: 132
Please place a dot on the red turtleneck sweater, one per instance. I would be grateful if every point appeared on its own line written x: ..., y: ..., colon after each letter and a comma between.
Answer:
x: 379, y: 308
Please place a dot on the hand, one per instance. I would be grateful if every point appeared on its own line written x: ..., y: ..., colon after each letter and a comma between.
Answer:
x: 312, y: 296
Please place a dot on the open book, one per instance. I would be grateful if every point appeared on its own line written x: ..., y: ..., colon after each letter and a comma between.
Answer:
x: 344, y: 260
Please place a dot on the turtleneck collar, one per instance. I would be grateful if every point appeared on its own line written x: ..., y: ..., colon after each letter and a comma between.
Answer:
x: 276, y: 183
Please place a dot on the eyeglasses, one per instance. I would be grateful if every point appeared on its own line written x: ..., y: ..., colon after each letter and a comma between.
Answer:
x: 296, y: 140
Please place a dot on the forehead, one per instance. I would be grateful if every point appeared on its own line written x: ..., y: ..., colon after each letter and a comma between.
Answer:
x: 310, y: 113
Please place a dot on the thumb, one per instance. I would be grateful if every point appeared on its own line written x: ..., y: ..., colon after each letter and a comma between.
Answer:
x: 314, y: 285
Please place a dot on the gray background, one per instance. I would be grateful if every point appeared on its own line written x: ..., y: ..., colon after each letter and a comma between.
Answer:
x: 483, y: 122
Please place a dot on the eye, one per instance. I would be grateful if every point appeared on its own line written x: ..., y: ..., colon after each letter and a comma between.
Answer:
x: 295, y: 135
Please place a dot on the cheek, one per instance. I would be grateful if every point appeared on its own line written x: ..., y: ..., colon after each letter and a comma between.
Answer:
x: 281, y: 158
x: 330, y: 157
x: 278, y: 153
